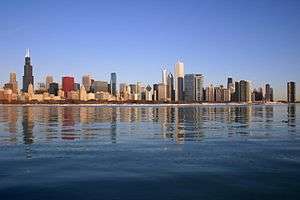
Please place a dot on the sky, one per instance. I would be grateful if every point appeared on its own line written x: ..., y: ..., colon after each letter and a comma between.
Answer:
x: 252, y: 40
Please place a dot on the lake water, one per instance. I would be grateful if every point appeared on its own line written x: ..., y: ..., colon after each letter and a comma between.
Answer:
x: 184, y: 152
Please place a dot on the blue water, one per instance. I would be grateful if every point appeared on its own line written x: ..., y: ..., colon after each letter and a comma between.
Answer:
x: 189, y: 152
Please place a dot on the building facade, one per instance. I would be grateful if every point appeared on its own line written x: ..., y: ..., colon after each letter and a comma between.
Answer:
x: 67, y: 84
x: 28, y: 77
x: 291, y: 92
x: 113, y: 84
x: 179, y: 81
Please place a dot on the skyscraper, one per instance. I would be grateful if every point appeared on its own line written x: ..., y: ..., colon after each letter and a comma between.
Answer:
x: 164, y: 76
x: 291, y: 92
x: 230, y: 87
x: 189, y: 87
x: 100, y: 86
x: 162, y: 94
x: 245, y: 91
x: 269, y: 93
x: 209, y: 93
x: 170, y: 87
x: 13, y: 82
x: 87, y: 82
x: 49, y: 79
x: 237, y: 94
x: 28, y: 77
x: 113, y: 84
x: 53, y: 89
x: 67, y: 84
x: 199, y: 80
x: 179, y: 81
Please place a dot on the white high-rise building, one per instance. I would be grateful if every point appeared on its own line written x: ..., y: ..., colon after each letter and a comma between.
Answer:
x: 179, y: 80
x: 164, y: 76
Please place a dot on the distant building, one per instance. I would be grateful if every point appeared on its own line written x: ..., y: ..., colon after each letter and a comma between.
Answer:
x: 269, y: 93
x: 291, y: 92
x: 13, y: 81
x: 170, y: 87
x: 28, y: 77
x: 162, y: 92
x: 258, y: 94
x: 148, y: 93
x: 53, y: 88
x: 100, y: 86
x: 245, y: 91
x: 164, y: 77
x: 189, y: 87
x: 237, y: 94
x: 179, y: 81
x: 230, y: 87
x: 226, y: 95
x: 218, y: 94
x: 209, y: 94
x: 82, y: 94
x: 133, y: 89
x: 49, y: 79
x: 138, y: 88
x: 42, y: 86
x: 76, y: 86
x: 155, y: 92
x: 113, y: 84
x: 67, y: 84
x: 199, y: 81
x: 87, y: 82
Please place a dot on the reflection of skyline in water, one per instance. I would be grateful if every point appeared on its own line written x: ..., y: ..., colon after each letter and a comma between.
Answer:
x: 111, y: 124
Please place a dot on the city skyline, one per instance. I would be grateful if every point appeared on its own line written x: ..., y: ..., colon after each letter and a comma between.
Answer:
x: 186, y: 88
x: 259, y: 45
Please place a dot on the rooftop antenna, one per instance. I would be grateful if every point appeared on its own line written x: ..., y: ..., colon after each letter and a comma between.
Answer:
x: 27, y: 55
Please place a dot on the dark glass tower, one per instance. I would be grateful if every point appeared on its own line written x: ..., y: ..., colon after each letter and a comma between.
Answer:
x: 27, y: 78
x: 291, y: 92
x: 113, y: 84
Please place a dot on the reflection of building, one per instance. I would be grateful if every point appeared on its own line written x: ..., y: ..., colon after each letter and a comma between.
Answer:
x: 291, y: 92
x: 291, y: 116
x: 28, y: 125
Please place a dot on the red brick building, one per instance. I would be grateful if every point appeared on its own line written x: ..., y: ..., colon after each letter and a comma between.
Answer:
x: 67, y: 84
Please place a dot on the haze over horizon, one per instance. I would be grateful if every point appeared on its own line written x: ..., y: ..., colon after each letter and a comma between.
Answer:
x: 257, y: 40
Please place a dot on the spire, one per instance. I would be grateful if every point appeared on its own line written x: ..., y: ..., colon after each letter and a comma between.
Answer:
x: 27, y: 55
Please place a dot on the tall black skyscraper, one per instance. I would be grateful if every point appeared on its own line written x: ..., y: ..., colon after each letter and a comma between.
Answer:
x: 113, y: 84
x: 27, y: 78
x: 291, y: 92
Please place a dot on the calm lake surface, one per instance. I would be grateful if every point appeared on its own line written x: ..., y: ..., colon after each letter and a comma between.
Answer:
x: 188, y: 152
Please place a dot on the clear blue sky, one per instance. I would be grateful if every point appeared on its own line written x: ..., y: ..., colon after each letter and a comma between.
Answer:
x: 253, y: 40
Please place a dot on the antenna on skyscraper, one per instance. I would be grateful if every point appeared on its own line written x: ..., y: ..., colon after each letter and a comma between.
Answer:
x: 27, y: 55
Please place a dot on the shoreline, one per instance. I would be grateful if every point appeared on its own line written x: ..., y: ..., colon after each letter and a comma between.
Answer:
x: 135, y: 104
